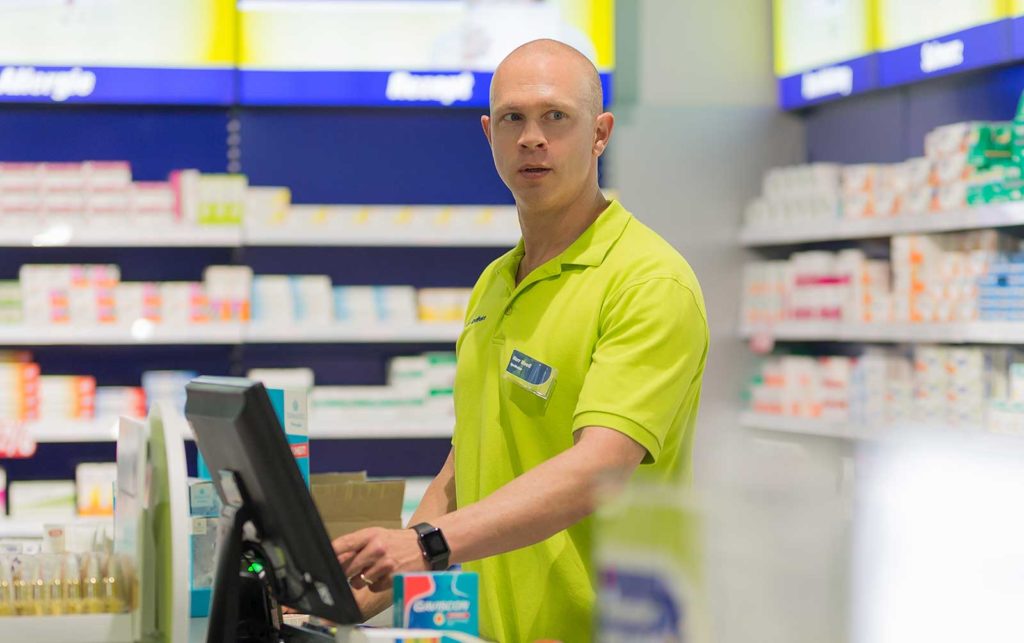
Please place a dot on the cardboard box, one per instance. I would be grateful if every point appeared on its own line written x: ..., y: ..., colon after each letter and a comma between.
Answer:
x: 348, y: 502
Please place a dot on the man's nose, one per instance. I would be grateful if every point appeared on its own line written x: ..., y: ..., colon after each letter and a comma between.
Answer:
x: 532, y: 136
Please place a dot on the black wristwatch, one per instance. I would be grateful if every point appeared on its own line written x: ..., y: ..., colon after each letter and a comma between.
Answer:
x: 434, y: 546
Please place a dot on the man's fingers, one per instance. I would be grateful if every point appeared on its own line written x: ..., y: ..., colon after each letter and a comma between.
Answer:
x: 365, y: 558
x: 353, y: 541
x: 380, y: 574
x: 343, y: 559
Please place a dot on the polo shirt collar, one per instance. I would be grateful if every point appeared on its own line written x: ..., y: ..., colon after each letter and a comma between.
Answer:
x: 589, y: 249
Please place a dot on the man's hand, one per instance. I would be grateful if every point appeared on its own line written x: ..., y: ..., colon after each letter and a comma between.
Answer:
x: 370, y: 557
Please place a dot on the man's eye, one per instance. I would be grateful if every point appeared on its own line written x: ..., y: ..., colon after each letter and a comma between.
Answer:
x: 557, y: 115
x: 513, y: 117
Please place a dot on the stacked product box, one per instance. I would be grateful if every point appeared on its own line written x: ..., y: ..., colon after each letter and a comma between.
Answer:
x: 12, y: 309
x: 67, y: 397
x: 881, y: 389
x: 998, y: 155
x: 935, y: 277
x: 19, y: 387
x: 117, y: 401
x: 816, y: 288
x: 1001, y: 289
x: 764, y: 293
x: 418, y: 387
x: 797, y: 194
x: 94, y: 488
x: 871, y: 191
x: 284, y: 300
x: 167, y: 386
x: 69, y: 294
x: 94, y: 295
x: 959, y: 277
x: 965, y: 164
x: 369, y: 305
x: 228, y: 289
x: 931, y: 386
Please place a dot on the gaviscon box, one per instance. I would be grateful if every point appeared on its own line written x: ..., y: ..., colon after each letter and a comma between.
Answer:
x: 438, y: 601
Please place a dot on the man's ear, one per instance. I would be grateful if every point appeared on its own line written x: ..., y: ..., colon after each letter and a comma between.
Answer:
x: 603, y: 127
x: 485, y: 122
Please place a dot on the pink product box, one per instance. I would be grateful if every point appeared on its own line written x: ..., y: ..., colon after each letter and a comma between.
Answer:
x: 153, y: 199
x: 106, y: 175
x: 20, y: 176
x: 113, y: 202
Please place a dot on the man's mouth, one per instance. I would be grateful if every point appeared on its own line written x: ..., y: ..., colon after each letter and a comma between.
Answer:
x: 534, y: 171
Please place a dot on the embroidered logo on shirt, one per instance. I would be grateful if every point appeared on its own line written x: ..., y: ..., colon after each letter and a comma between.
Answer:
x: 477, y: 320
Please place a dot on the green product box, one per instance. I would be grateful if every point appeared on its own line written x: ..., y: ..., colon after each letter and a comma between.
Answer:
x: 11, y: 309
x: 1018, y: 134
x: 996, y: 192
x: 992, y: 144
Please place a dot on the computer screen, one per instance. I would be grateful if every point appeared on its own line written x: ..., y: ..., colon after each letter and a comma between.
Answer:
x: 242, y: 441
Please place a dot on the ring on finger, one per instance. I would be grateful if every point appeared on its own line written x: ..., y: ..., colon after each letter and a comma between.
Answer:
x: 366, y: 580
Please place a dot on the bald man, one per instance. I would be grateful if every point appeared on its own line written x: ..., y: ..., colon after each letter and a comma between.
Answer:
x: 581, y: 361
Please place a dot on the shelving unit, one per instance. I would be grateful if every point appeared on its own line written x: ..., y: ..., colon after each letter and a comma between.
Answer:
x: 414, y: 333
x: 68, y: 235
x: 93, y: 236
x: 1000, y: 333
x: 229, y: 334
x: 837, y: 229
x: 846, y: 431
x: 137, y: 334
x: 807, y: 426
x: 88, y: 628
x: 17, y: 528
x: 322, y: 427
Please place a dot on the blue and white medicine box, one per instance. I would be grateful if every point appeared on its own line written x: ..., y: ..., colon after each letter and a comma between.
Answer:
x: 438, y: 601
x: 292, y: 409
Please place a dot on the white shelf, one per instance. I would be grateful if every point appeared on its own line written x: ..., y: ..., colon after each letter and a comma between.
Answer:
x: 185, y: 236
x: 52, y: 431
x: 78, y: 628
x: 852, y: 432
x: 1000, y: 333
x: 35, y: 529
x: 413, y: 333
x: 421, y: 238
x: 807, y: 426
x: 227, y: 334
x: 119, y: 335
x: 324, y: 427
x: 836, y: 229
x: 100, y: 236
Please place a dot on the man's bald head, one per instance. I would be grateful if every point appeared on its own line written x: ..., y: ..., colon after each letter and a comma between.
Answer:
x: 552, y: 52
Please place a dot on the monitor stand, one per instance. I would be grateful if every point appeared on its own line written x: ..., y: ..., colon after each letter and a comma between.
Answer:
x: 244, y: 606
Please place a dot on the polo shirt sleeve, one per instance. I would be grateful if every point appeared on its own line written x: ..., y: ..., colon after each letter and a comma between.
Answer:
x: 651, y: 348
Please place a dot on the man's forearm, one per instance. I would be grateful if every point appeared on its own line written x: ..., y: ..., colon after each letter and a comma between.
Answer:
x: 438, y: 500
x: 538, y: 504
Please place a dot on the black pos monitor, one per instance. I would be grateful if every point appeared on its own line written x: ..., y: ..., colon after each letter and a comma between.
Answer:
x: 272, y: 536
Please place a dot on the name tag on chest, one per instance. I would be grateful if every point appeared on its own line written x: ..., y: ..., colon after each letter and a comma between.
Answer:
x: 531, y: 374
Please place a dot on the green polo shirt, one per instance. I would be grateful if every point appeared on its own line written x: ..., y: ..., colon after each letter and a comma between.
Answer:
x: 619, y: 318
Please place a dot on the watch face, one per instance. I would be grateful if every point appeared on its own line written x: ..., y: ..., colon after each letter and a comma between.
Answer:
x: 434, y: 544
